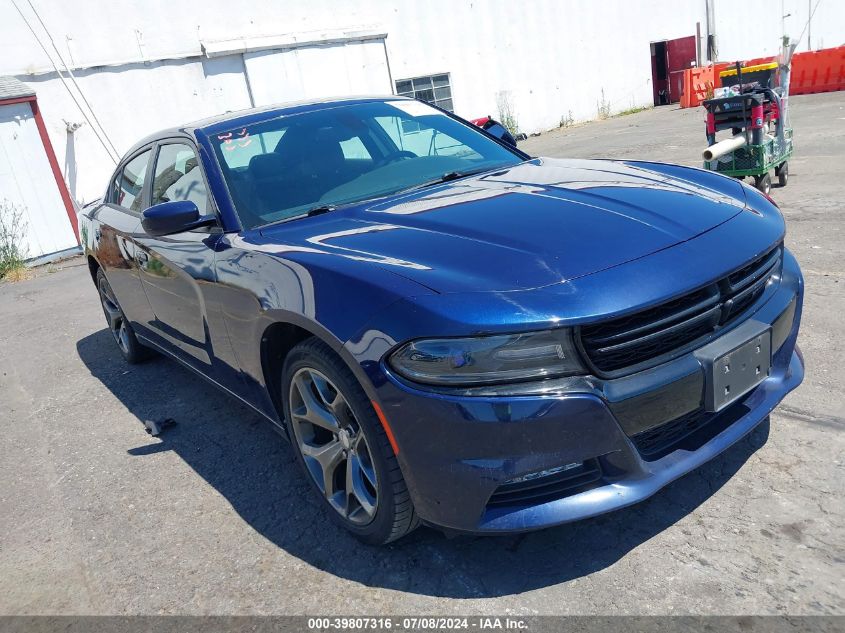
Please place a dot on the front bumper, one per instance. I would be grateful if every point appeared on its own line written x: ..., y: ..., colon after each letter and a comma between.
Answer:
x: 456, y: 452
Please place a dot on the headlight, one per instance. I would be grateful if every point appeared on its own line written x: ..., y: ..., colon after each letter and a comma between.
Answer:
x: 488, y: 359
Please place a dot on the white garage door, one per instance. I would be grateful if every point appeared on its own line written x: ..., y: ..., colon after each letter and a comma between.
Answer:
x: 331, y: 70
x: 26, y: 180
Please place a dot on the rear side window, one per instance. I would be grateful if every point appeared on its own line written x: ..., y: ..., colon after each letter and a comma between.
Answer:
x: 129, y: 184
x: 178, y: 176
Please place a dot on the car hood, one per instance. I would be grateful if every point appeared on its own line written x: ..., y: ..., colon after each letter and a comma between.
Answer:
x: 538, y: 223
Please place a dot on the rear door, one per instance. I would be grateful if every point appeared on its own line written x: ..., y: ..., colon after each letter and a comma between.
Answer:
x: 115, y: 221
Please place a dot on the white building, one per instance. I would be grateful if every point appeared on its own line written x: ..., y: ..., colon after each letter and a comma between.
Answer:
x: 108, y: 73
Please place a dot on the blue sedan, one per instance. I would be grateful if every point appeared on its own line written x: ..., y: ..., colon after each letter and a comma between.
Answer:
x: 447, y: 330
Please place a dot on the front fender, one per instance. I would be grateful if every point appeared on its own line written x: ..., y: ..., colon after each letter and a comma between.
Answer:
x: 264, y: 284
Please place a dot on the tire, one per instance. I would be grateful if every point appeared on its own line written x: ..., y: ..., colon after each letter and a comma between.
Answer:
x: 341, y: 446
x: 121, y: 330
x: 763, y: 183
x: 783, y: 174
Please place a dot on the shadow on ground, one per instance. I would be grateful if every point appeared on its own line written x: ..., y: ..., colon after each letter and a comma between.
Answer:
x: 246, y: 461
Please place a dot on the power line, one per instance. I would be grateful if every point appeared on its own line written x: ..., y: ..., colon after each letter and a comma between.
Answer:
x: 112, y: 154
x: 72, y: 78
x: 807, y: 23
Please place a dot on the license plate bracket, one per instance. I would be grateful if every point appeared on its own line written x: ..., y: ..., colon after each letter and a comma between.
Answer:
x: 735, y: 363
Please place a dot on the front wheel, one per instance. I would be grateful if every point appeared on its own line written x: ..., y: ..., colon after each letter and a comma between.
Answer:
x: 120, y: 328
x: 342, y: 446
x: 763, y: 183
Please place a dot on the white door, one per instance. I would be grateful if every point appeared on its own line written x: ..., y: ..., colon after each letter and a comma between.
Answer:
x: 26, y: 180
x: 333, y: 70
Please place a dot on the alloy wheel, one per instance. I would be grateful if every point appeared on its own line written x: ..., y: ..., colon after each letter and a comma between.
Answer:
x: 114, y: 317
x: 333, y: 446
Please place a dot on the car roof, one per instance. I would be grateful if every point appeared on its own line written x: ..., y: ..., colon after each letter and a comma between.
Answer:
x: 247, y: 116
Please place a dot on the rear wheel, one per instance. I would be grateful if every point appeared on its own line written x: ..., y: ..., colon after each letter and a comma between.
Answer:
x: 342, y: 447
x: 783, y: 174
x: 763, y: 183
x: 120, y: 328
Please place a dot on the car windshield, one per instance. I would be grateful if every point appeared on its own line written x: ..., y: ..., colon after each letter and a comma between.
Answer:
x: 287, y: 166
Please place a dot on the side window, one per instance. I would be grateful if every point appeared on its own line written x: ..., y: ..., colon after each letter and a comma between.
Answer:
x: 178, y: 176
x: 129, y: 184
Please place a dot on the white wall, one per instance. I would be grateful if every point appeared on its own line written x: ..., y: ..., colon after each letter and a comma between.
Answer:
x: 754, y: 29
x: 318, y: 72
x: 27, y: 182
x: 131, y: 102
x: 550, y: 58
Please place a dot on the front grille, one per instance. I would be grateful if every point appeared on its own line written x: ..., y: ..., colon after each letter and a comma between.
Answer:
x: 634, y: 339
x: 548, y: 488
x: 689, y: 432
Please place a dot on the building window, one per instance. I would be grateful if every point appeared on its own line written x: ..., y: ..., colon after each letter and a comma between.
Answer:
x: 433, y: 89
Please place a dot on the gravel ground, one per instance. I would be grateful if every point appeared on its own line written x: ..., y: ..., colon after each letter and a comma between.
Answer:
x: 214, y: 517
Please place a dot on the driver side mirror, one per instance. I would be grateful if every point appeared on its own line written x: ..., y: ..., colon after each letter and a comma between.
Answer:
x: 174, y: 216
x: 499, y: 131
x: 494, y: 128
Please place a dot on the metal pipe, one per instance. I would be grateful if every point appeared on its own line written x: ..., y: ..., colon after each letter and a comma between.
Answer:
x: 723, y: 147
x: 783, y: 99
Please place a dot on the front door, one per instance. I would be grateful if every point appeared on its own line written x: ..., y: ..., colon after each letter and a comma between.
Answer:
x: 178, y: 273
x: 174, y: 267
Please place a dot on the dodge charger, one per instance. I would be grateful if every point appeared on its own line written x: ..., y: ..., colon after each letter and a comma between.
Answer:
x: 448, y: 330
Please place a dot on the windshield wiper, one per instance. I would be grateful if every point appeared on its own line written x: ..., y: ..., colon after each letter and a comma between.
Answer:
x: 454, y: 175
x: 448, y: 177
x: 320, y: 209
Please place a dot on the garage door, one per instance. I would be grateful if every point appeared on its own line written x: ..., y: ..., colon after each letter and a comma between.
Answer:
x: 26, y: 180
x: 329, y: 70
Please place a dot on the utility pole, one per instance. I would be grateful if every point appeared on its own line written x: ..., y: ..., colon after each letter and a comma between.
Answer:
x: 809, y: 23
x: 783, y: 16
x: 712, y: 53
x: 698, y: 61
